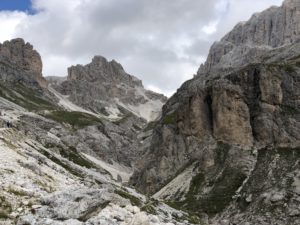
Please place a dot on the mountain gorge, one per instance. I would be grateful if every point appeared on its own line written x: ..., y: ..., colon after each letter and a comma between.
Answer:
x: 223, y: 150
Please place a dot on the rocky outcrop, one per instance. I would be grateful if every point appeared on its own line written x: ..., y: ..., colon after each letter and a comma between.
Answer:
x: 17, y: 57
x: 245, y: 99
x: 249, y: 41
x: 104, y: 87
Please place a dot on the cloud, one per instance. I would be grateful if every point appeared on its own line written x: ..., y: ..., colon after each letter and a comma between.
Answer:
x: 8, y: 22
x: 161, y: 42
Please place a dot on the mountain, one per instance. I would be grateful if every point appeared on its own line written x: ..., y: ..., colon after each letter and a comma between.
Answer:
x: 223, y: 150
x: 228, y: 143
x: 250, y: 41
x: 62, y: 164
x: 104, y: 87
x: 20, y: 62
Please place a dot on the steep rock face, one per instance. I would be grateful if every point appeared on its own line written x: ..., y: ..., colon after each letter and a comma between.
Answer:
x: 105, y: 87
x: 220, y: 121
x: 17, y: 56
x: 249, y: 41
x: 231, y: 117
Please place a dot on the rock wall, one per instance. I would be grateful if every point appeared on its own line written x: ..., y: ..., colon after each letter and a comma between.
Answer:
x: 249, y: 41
x: 19, y: 61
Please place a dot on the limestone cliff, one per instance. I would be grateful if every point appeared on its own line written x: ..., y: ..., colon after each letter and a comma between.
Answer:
x: 18, y: 57
x: 249, y: 41
x: 240, y: 113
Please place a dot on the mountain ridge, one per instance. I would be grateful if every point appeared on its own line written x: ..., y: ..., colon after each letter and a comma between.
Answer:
x: 222, y: 126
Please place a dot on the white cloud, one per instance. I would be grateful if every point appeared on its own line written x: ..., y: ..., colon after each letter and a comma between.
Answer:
x: 8, y: 23
x: 210, y: 28
x: 161, y: 42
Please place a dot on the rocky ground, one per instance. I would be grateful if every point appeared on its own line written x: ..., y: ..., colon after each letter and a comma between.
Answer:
x: 41, y: 184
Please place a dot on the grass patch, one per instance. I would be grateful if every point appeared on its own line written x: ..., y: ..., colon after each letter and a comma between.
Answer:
x: 134, y: 200
x: 221, y: 194
x: 75, y: 119
x: 288, y: 110
x: 60, y: 163
x: 8, y: 143
x: 222, y: 188
x: 169, y: 119
x: 5, y: 208
x: 16, y: 192
x: 28, y: 98
x: 292, y: 153
x: 149, y: 208
x: 150, y: 126
x: 123, y: 119
x: 222, y: 152
x: 4, y: 215
x: 289, y: 68
x: 191, y: 202
x: 56, y: 160
x: 72, y: 154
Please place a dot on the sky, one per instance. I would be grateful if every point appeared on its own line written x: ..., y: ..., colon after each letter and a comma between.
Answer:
x: 162, y: 42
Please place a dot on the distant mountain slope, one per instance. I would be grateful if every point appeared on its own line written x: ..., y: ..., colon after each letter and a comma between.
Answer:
x: 104, y: 87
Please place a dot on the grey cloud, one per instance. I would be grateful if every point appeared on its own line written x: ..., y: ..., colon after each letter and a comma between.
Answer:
x: 158, y: 41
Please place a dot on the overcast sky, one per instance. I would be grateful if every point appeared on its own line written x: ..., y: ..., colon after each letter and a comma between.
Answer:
x: 162, y: 42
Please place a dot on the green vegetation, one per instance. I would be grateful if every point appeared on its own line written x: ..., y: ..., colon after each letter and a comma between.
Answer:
x: 289, y: 110
x: 169, y: 118
x: 123, y: 119
x: 222, y: 152
x: 16, y: 192
x: 195, y: 186
x: 149, y: 208
x: 73, y: 155
x: 293, y: 153
x: 183, y: 168
x: 134, y: 200
x: 3, y: 215
x: 190, y: 203
x: 57, y: 161
x: 223, y: 187
x: 28, y: 98
x: 62, y: 164
x: 5, y: 208
x: 223, y: 190
x: 75, y: 119
x: 289, y: 68
x: 8, y: 143
x: 45, y: 185
x: 150, y: 126
x: 191, y: 217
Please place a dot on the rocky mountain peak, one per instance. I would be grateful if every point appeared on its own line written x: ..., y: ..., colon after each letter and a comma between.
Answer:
x: 22, y: 56
x: 100, y: 69
x: 103, y: 86
x: 291, y: 3
x: 249, y: 41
